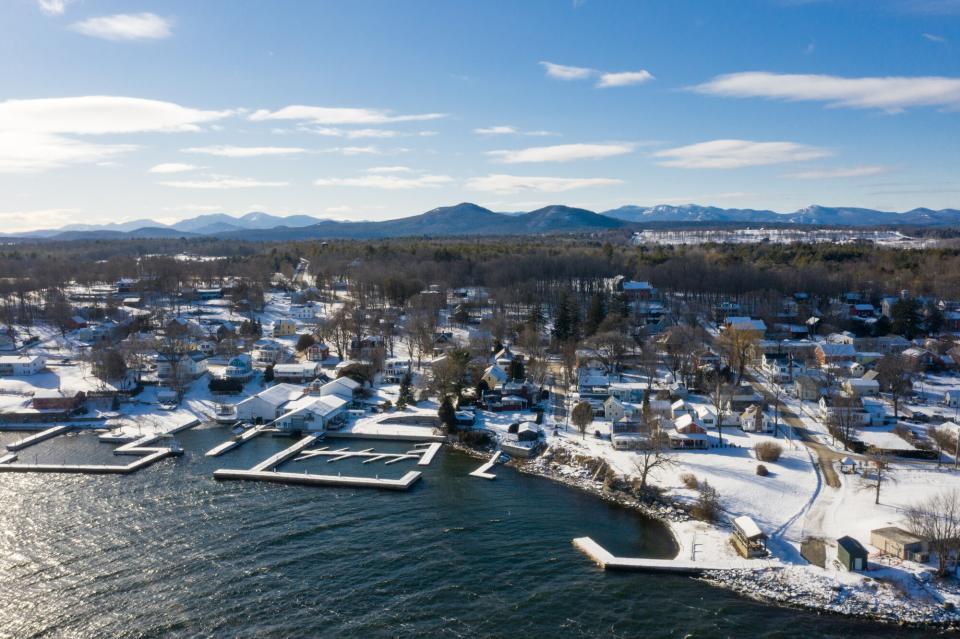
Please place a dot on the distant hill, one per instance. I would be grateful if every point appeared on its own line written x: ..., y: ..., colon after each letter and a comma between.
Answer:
x: 471, y: 219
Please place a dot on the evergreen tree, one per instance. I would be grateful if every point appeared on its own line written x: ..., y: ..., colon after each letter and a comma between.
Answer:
x: 566, y: 324
x: 447, y: 414
x: 596, y: 313
x: 906, y: 317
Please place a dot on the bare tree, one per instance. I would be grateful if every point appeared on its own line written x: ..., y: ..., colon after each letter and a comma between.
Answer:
x: 944, y: 440
x: 736, y: 345
x: 582, y: 416
x: 843, y: 422
x: 937, y: 519
x: 651, y: 455
x: 881, y: 469
x: 895, y: 375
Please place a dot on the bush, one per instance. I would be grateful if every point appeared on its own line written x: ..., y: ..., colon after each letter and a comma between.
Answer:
x: 762, y: 470
x: 689, y: 480
x: 305, y: 341
x: 768, y: 451
x: 707, y: 507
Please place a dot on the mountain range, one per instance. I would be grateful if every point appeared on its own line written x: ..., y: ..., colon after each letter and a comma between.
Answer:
x: 471, y: 219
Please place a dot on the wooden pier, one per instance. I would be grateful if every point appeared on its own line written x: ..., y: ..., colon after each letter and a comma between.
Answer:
x: 606, y: 560
x: 239, y: 440
x: 36, y: 438
x: 482, y: 472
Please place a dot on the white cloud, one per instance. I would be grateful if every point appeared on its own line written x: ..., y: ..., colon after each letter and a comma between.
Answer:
x: 734, y: 154
x: 563, y: 72
x: 32, y: 151
x: 388, y: 181
x: 340, y: 115
x: 561, y: 153
x: 840, y: 172
x: 223, y: 182
x: 228, y: 151
x: 337, y: 209
x: 102, y: 114
x: 932, y: 37
x: 390, y: 169
x: 623, y: 78
x: 173, y: 167
x: 53, y: 7
x: 497, y: 183
x: 505, y: 129
x: 197, y: 208
x: 34, y: 134
x: 370, y: 149
x: 125, y: 26
x: 892, y: 94
x: 16, y: 221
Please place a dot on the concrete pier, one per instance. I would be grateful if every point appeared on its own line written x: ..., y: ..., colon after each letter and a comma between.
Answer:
x: 232, y: 443
x: 482, y: 471
x: 428, y: 456
x: 606, y: 560
x: 388, y: 436
x: 403, y: 483
x: 275, y: 460
x: 36, y: 438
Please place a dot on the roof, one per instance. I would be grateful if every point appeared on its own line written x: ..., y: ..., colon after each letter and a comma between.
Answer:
x: 280, y: 394
x: 637, y: 286
x: 748, y: 527
x: 852, y: 546
x: 897, y: 534
x: 837, y: 350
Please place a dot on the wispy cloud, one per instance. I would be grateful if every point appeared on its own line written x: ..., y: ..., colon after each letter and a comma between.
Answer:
x: 25, y: 220
x: 126, y: 26
x: 53, y: 7
x: 388, y: 181
x: 564, y: 72
x: 35, y: 151
x: 498, y: 183
x: 505, y: 129
x: 735, y: 154
x: 228, y: 151
x: 223, y: 182
x: 173, y: 167
x: 605, y: 79
x: 840, y: 172
x: 340, y: 115
x: 623, y: 79
x: 561, y: 153
x: 370, y: 149
x: 354, y: 134
x: 390, y: 169
x: 892, y: 94
x: 935, y: 38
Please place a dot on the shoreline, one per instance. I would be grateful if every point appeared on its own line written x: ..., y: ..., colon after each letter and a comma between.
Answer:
x: 789, y: 586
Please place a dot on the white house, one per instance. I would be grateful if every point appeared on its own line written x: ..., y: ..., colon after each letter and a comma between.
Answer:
x: 186, y: 366
x: 311, y: 413
x: 22, y: 364
x: 861, y: 387
x: 266, y: 352
x: 268, y: 404
x: 303, y: 312
x: 754, y: 420
x: 494, y: 376
x: 297, y: 372
x: 343, y: 387
x: 781, y: 367
x: 952, y: 397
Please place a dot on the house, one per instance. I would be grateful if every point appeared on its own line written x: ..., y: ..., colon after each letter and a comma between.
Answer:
x: 494, y: 376
x: 628, y: 391
x: 284, y: 327
x: 874, y: 411
x: 310, y: 413
x: 851, y: 554
x: 443, y: 342
x: 636, y: 291
x: 21, y: 364
x: 207, y: 347
x: 303, y: 313
x: 923, y: 359
x: 239, y: 367
x: 746, y: 324
x: 365, y: 347
x: 807, y: 388
x: 781, y: 367
x: 266, y: 352
x: 834, y: 408
x: 268, y: 404
x: 828, y: 353
x: 688, y: 432
x: 861, y: 387
x: 343, y: 387
x: 739, y: 397
x: 613, y: 409
x: 318, y: 352
x: 298, y: 372
x: 592, y: 383
x: 892, y: 343
x: 181, y: 367
x: 57, y: 400
x: 747, y: 538
x: 899, y: 543
x: 754, y: 420
x: 394, y: 370
x: 706, y: 415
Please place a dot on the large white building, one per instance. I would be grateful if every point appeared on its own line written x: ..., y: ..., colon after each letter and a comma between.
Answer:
x: 22, y: 364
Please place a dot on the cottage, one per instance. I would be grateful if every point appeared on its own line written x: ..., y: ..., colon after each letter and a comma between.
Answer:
x: 688, y: 432
x: 828, y: 354
x: 851, y: 554
x: 781, y: 367
x: 899, y: 543
x: 266, y: 352
x: 284, y: 327
x: 303, y: 313
x: 267, y: 405
x: 861, y: 387
x: 318, y: 352
x: 807, y: 388
x: 180, y: 367
x: 21, y: 364
x: 494, y: 376
x: 343, y: 387
x: 754, y: 420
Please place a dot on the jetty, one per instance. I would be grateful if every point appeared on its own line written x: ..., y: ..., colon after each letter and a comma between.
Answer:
x: 36, y: 438
x: 266, y: 470
x: 431, y: 452
x: 606, y: 560
x: 482, y: 472
x: 239, y: 440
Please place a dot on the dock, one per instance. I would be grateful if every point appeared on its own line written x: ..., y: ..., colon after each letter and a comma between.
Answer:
x: 273, y: 461
x: 607, y: 561
x: 428, y: 456
x: 233, y: 442
x: 386, y: 436
x: 403, y: 483
x: 36, y: 438
x: 482, y: 472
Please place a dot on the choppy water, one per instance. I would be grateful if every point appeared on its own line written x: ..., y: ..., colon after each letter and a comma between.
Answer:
x: 169, y: 552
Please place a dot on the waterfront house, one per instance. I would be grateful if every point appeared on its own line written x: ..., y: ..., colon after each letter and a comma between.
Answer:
x: 313, y: 414
x: 268, y: 404
x: 688, y: 432
x: 266, y: 352
x: 57, y: 400
x: 180, y: 367
x: 296, y: 372
x: 239, y: 368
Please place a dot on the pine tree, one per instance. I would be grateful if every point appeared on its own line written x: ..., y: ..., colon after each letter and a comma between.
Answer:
x: 596, y: 313
x: 447, y: 414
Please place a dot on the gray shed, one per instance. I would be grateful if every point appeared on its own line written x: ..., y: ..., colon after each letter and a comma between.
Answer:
x: 851, y: 554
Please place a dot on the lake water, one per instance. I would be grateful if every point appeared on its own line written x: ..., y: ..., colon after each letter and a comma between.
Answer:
x: 169, y: 552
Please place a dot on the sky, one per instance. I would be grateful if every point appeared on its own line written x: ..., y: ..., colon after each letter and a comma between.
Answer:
x: 112, y: 111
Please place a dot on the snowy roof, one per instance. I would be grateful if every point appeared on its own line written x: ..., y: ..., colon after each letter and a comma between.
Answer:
x: 280, y: 394
x: 748, y: 527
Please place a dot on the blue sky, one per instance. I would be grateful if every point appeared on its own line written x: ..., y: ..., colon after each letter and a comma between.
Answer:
x: 112, y: 111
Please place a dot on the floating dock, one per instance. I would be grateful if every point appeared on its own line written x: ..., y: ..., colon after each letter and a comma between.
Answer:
x: 428, y: 456
x: 482, y: 471
x: 36, y: 438
x: 386, y: 436
x: 273, y: 461
x: 233, y: 442
x: 403, y: 483
x: 606, y: 560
